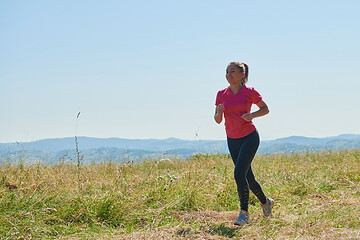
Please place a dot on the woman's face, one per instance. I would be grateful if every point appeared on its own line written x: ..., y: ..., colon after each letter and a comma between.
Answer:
x: 234, y: 75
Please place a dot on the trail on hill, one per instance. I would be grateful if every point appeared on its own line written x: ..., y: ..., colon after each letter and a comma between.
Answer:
x: 211, y: 225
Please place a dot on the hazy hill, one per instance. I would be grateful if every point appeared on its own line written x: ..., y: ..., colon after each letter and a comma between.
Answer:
x: 85, y: 143
x: 119, y: 149
x: 298, y: 144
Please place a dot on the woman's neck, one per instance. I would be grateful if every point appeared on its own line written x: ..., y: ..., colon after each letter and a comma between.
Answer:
x: 235, y: 88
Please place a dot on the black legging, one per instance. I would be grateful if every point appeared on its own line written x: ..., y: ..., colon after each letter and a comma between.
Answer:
x: 242, y: 152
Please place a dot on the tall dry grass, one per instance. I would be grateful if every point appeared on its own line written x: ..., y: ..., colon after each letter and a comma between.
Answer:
x: 317, y: 196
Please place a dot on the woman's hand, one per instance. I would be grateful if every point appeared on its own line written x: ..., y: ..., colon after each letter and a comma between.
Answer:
x: 247, y: 117
x: 263, y: 110
x: 219, y: 111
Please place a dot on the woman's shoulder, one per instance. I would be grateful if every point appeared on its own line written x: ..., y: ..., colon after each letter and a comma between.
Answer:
x: 223, y: 91
x: 249, y: 89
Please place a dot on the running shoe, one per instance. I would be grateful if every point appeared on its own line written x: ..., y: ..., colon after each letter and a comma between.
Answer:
x: 243, y: 218
x: 267, y: 207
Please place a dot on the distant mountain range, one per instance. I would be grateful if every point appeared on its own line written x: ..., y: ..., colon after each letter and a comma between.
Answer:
x: 123, y: 150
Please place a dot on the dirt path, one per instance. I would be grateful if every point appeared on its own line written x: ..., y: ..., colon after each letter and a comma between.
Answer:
x: 219, y: 225
x: 206, y: 230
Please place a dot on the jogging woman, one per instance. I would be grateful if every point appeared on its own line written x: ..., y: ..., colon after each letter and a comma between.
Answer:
x: 234, y: 104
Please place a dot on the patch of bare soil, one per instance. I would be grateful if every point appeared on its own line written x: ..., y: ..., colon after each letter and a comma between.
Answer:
x: 211, y: 225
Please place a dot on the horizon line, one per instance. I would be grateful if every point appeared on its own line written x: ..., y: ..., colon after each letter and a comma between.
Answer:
x: 195, y: 139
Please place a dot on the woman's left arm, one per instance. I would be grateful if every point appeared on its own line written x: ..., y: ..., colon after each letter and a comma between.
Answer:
x: 263, y: 110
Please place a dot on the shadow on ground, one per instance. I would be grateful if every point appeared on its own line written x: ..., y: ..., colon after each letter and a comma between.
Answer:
x: 222, y: 230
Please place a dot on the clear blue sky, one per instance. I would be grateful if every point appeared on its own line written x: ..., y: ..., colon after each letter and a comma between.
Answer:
x: 151, y: 69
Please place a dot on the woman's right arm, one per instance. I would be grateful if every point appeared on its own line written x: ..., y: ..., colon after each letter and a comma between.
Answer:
x: 219, y: 112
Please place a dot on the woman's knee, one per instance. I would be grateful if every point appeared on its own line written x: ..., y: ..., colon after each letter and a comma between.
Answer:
x: 240, y: 175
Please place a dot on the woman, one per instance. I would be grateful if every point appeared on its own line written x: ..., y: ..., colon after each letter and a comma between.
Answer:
x: 234, y: 104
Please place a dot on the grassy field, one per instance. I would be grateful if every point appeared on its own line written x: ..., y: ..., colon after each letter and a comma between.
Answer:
x: 317, y: 197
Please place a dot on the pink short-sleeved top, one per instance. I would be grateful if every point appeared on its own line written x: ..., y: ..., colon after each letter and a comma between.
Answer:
x: 235, y: 106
